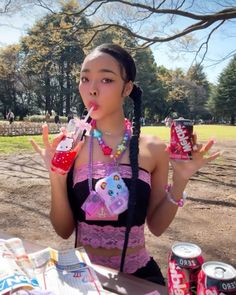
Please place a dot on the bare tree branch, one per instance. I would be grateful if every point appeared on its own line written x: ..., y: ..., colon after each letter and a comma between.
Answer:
x: 44, y: 5
x: 203, y: 21
x: 206, y: 43
x: 6, y: 7
x: 150, y: 21
x: 223, y: 14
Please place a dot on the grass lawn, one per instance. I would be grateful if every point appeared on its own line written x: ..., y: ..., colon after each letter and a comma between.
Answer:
x: 16, y: 144
x: 204, y: 132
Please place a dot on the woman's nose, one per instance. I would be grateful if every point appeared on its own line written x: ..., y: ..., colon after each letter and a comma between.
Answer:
x: 93, y: 90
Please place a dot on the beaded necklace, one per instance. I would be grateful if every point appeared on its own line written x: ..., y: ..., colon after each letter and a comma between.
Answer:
x: 107, y: 151
x: 114, y: 198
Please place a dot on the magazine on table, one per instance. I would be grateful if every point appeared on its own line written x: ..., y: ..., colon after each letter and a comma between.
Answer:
x: 47, y: 271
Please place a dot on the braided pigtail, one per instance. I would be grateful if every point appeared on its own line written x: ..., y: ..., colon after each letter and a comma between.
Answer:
x: 128, y: 73
x: 136, y: 95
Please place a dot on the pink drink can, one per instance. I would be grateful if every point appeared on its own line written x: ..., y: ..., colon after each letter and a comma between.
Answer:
x: 184, y: 264
x: 216, y: 278
x: 181, y: 145
x: 65, y: 154
x: 63, y: 160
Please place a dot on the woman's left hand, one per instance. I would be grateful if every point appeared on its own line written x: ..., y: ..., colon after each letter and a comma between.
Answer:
x: 200, y: 157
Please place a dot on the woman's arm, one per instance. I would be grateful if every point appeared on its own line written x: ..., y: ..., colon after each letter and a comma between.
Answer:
x: 61, y: 214
x: 161, y: 210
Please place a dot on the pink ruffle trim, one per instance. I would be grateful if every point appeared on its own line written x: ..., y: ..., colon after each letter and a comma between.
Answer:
x: 101, y: 169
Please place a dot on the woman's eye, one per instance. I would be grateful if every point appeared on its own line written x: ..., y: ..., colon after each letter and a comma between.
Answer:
x: 83, y: 79
x: 107, y: 80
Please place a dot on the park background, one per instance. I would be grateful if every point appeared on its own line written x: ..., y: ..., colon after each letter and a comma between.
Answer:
x: 38, y: 75
x: 39, y: 66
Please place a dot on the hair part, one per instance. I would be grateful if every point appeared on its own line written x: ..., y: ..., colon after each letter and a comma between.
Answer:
x: 125, y: 60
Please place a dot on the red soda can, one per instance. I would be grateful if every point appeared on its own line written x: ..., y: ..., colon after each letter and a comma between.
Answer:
x: 181, y: 133
x: 216, y: 278
x: 184, y: 264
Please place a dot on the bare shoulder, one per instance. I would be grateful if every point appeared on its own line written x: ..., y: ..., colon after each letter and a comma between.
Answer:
x: 152, y: 142
x: 152, y: 151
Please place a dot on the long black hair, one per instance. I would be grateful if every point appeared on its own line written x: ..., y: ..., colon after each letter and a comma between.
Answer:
x: 128, y: 72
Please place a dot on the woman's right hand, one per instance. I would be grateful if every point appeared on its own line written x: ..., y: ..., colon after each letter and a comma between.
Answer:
x: 49, y: 149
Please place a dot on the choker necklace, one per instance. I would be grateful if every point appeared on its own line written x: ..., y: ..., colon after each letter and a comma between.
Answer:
x: 107, y: 151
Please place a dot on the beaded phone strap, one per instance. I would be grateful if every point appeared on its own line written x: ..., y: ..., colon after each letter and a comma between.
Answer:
x: 90, y: 170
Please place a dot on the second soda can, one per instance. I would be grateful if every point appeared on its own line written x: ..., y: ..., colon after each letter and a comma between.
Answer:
x: 216, y: 278
x: 185, y: 261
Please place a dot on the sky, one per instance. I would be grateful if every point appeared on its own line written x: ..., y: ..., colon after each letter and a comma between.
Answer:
x: 221, y: 44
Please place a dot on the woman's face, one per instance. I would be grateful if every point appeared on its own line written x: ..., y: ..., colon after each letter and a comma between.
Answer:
x: 101, y: 85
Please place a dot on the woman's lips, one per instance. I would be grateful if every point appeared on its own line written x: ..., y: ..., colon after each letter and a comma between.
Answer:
x: 94, y: 105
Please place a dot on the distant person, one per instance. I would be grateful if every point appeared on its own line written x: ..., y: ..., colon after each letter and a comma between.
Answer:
x: 57, y: 119
x: 10, y: 117
x: 69, y: 117
x: 143, y: 121
x: 168, y: 121
x: 47, y: 117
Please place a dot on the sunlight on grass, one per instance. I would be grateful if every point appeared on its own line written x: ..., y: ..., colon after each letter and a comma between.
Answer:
x: 204, y: 132
x: 14, y: 144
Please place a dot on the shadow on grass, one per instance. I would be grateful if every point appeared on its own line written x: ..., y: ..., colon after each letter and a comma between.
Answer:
x: 21, y: 168
x: 213, y: 202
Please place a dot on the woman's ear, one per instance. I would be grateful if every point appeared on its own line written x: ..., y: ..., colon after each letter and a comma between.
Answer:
x: 128, y: 88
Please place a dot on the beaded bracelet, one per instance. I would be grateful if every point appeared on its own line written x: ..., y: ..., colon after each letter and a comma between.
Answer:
x: 180, y: 202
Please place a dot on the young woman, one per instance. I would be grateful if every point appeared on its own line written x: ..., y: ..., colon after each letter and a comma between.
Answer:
x: 119, y: 178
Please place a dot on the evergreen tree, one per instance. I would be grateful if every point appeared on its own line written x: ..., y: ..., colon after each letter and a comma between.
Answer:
x: 225, y: 99
x: 154, y: 104
x: 198, y: 91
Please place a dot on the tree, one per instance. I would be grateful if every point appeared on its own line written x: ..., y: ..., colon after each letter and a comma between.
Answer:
x: 15, y: 87
x: 154, y: 103
x: 149, y: 22
x: 225, y: 99
x: 211, y: 106
x: 176, y: 95
x: 53, y: 51
x: 152, y: 22
x: 198, y: 92
x: 9, y: 58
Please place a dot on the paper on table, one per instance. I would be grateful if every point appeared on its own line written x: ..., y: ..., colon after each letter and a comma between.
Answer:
x: 16, y: 270
x: 65, y: 272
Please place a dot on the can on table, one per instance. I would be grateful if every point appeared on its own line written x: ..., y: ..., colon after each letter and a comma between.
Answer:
x: 181, y: 133
x: 216, y: 278
x: 184, y: 264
